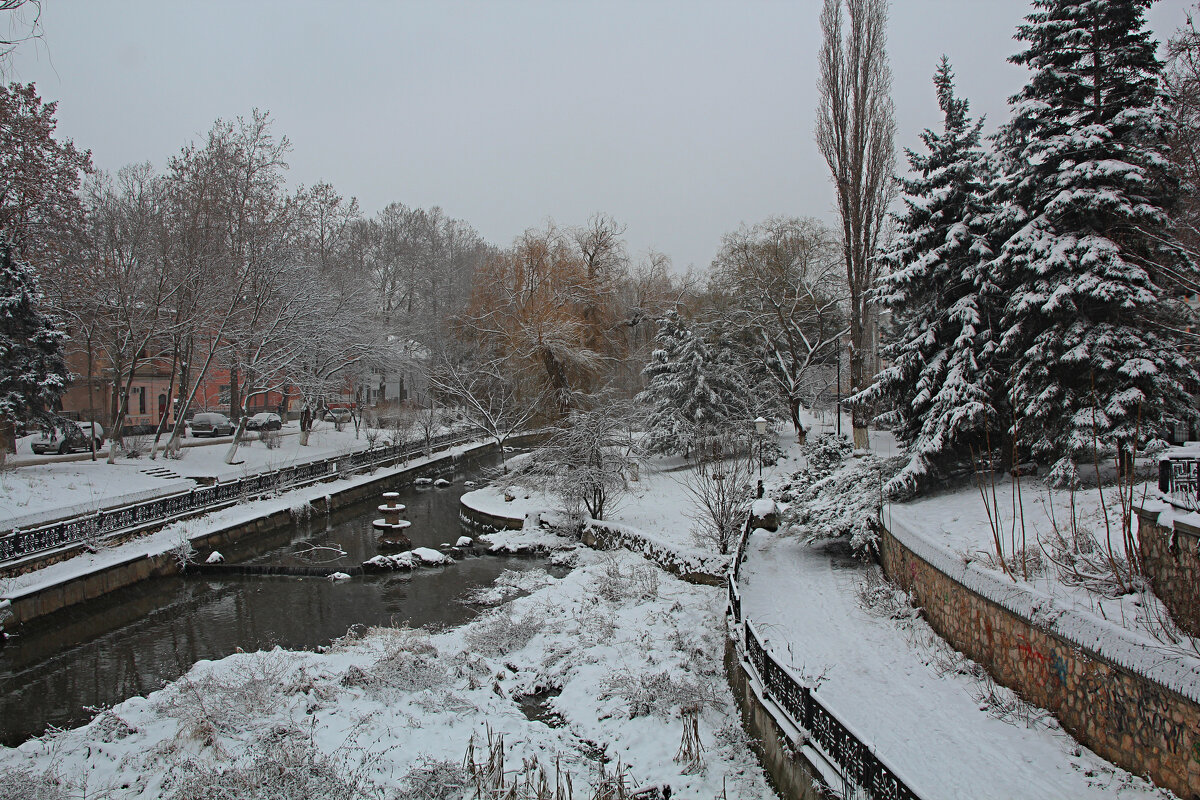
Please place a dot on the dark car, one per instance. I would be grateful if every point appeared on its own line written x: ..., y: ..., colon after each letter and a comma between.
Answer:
x: 210, y: 423
x: 69, y: 437
x: 265, y: 421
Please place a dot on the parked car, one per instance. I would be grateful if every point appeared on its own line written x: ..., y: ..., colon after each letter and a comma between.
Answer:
x: 336, y: 415
x: 264, y: 421
x: 69, y: 437
x: 210, y: 423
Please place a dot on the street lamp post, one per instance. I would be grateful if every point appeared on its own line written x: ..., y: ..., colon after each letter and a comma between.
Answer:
x: 760, y: 428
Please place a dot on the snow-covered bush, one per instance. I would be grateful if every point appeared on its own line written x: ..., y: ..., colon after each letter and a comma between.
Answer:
x: 286, y: 764
x: 834, y: 501
x: 659, y: 694
x: 617, y: 585
x: 227, y: 698
x: 135, y: 446
x: 822, y: 454
x: 409, y: 662
x: 499, y: 632
x: 23, y: 783
x: 434, y: 779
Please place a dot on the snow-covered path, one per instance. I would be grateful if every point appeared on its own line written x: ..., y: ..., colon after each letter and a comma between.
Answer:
x: 899, y: 687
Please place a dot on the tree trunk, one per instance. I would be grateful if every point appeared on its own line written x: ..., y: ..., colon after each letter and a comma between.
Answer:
x: 162, y: 420
x: 8, y: 439
x: 237, y: 438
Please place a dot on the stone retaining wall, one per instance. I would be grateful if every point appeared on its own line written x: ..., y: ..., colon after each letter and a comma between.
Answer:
x: 1129, y: 719
x: 791, y: 774
x: 1171, y: 559
x: 606, y: 536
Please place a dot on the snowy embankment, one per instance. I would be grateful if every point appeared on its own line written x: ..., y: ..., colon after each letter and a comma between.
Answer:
x: 177, y: 536
x: 655, y: 518
x: 39, y: 493
x: 1127, y: 646
x: 951, y: 530
x: 610, y: 664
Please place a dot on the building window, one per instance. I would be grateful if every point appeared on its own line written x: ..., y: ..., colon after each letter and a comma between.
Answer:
x: 141, y: 390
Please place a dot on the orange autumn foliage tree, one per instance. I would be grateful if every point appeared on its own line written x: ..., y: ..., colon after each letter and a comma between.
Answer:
x: 546, y: 307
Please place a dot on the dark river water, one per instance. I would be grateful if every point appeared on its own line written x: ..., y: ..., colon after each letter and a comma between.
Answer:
x: 128, y: 643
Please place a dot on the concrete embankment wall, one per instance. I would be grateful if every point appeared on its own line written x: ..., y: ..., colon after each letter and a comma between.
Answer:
x: 792, y: 774
x: 139, y: 568
x: 1127, y: 702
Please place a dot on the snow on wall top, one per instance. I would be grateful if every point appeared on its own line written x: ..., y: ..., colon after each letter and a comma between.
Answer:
x: 1133, y: 651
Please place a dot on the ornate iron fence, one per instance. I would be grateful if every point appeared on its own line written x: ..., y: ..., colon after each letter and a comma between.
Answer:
x: 856, y: 760
x: 106, y: 522
x: 1179, y: 481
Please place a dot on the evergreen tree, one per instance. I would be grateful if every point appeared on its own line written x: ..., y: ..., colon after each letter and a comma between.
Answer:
x: 946, y: 393
x: 33, y: 374
x: 1087, y: 245
x: 692, y: 387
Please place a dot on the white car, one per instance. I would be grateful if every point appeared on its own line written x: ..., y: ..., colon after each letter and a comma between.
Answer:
x: 69, y: 438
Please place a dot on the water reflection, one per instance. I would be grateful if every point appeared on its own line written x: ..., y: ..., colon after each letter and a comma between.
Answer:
x: 130, y: 642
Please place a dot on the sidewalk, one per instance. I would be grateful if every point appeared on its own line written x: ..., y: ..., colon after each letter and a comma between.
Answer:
x: 900, y: 687
x: 36, y: 494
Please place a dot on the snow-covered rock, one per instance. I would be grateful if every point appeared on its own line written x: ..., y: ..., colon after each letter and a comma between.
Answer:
x: 441, y: 483
x: 214, y: 557
x: 339, y: 576
x: 423, y: 481
x: 463, y: 541
x: 427, y: 555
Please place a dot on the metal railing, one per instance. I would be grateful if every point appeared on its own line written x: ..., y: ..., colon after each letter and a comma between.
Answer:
x: 853, y: 757
x: 107, y: 522
x: 1179, y: 481
x: 856, y: 760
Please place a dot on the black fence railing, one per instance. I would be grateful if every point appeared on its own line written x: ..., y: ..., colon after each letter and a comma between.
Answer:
x: 1179, y: 481
x: 107, y: 522
x: 856, y: 760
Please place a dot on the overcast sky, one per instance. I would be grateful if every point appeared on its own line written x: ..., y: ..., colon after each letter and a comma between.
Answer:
x: 680, y: 119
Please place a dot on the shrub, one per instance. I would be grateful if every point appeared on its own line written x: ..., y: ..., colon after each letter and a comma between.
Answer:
x: 499, y: 632
x: 283, y: 765
x: 837, y: 497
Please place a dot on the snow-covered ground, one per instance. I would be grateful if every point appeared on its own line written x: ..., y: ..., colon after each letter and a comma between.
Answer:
x: 37, y: 493
x: 657, y: 505
x: 902, y: 689
x: 616, y: 649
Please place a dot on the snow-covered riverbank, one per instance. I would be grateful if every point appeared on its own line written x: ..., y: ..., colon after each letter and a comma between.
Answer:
x: 617, y: 656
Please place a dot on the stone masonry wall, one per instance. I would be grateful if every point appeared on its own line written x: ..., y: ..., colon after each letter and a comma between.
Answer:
x: 1171, y: 559
x: 1126, y: 718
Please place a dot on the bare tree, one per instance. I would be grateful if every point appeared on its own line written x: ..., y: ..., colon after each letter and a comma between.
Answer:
x: 128, y: 279
x: 785, y: 288
x: 20, y: 21
x: 588, y: 460
x: 721, y: 486
x: 486, y: 395
x: 855, y: 133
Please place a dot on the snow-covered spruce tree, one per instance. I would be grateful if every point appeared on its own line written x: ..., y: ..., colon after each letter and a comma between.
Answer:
x: 942, y: 383
x: 1087, y: 246
x: 33, y: 374
x: 692, y: 387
